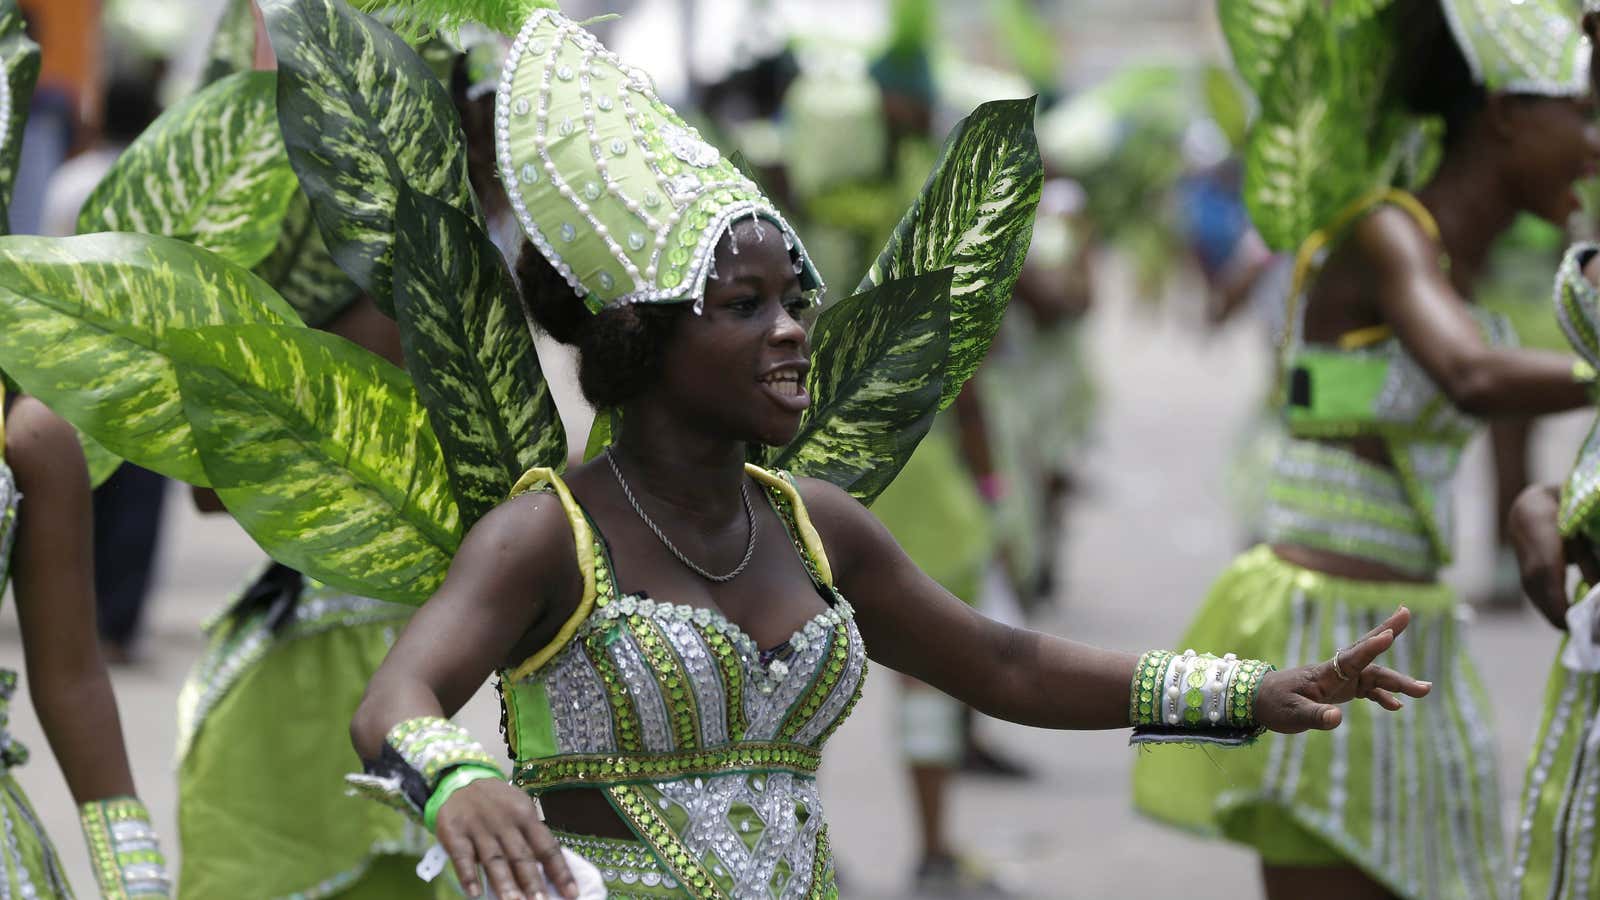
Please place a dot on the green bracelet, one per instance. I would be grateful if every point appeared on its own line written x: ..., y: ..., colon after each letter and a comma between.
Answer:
x: 453, y: 781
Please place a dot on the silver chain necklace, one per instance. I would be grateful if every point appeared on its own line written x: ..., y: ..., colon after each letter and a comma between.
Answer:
x: 749, y: 517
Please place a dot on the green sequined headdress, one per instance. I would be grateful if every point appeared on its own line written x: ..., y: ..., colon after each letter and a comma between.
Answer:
x: 621, y: 195
x: 1523, y: 46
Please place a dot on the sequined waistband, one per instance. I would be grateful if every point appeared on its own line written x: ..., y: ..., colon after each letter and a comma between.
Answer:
x: 596, y: 770
x: 1325, y: 497
x: 627, y: 867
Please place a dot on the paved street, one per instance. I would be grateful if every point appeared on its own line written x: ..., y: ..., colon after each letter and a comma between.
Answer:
x: 1150, y: 534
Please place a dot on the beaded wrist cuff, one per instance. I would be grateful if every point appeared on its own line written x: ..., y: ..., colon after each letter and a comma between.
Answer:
x: 1195, y: 698
x: 416, y: 755
x: 123, y: 848
x: 432, y: 745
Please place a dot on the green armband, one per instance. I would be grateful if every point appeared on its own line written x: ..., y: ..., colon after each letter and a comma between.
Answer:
x: 1195, y: 698
x: 453, y: 781
x: 123, y: 849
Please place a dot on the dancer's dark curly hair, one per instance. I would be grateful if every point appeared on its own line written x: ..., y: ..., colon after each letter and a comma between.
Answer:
x: 619, y: 350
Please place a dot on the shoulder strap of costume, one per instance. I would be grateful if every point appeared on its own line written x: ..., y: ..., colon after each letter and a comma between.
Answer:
x: 583, y: 540
x: 1308, y: 256
x: 804, y: 530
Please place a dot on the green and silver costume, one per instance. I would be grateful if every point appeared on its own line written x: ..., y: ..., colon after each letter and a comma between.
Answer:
x: 1409, y: 799
x: 706, y: 745
x: 365, y: 477
x: 1555, y: 842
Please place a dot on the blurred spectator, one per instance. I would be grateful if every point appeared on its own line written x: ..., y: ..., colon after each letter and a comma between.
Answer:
x: 65, y: 110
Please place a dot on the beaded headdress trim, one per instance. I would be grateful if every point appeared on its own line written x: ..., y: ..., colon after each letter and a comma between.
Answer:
x: 1525, y: 47
x: 623, y: 198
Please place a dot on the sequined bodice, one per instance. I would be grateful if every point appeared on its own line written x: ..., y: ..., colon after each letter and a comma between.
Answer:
x: 705, y: 744
x: 1325, y: 496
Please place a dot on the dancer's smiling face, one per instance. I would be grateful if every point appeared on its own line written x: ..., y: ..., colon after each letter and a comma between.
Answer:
x: 741, y: 364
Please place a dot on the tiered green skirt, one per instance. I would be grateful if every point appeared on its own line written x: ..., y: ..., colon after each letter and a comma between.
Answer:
x: 1409, y: 797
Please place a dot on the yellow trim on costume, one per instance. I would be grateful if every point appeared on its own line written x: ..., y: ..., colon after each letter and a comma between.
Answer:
x: 802, y: 522
x: 583, y: 537
x: 1306, y: 257
x: 1365, y: 337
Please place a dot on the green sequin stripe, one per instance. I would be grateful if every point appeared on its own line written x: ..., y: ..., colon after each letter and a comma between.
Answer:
x: 648, y: 823
x: 630, y: 733
x: 586, y: 770
x: 1144, y: 707
x: 855, y: 698
x: 1242, y: 691
x: 826, y: 679
x: 733, y: 678
x: 671, y: 677
x: 822, y: 887
x: 625, y: 716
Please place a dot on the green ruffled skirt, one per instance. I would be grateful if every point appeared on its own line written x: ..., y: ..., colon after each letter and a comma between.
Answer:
x: 1555, y: 833
x: 264, y: 725
x: 1410, y: 798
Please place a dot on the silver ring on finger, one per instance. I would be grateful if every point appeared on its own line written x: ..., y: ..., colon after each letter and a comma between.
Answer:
x: 1337, y: 670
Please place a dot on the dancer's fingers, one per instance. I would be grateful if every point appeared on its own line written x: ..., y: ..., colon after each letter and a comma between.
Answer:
x: 1388, y: 679
x: 1385, y: 699
x: 1355, y: 659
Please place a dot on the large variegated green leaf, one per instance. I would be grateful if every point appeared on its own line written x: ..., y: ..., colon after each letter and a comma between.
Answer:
x: 303, y: 272
x: 877, y: 372
x: 233, y: 44
x: 101, y: 462
x: 975, y: 215
x: 362, y: 115
x: 19, y: 60
x: 602, y: 431
x: 323, y: 454
x: 84, y: 326
x: 1289, y: 147
x: 1325, y: 134
x: 210, y: 171
x: 471, y: 354
x: 1257, y: 32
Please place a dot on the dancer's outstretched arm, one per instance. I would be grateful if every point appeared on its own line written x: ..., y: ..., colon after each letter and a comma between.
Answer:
x: 913, y: 625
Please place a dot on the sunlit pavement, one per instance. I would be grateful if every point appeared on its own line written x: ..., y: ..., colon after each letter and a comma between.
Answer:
x: 1151, y: 531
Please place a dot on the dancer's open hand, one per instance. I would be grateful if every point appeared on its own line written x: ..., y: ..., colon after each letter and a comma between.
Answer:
x: 491, y: 824
x: 1305, y: 698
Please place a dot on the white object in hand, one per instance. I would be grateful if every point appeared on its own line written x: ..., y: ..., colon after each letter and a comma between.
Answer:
x: 1582, y: 654
x: 590, y: 885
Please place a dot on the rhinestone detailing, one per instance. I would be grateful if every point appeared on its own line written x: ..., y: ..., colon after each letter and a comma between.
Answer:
x: 707, y: 744
x: 749, y: 517
x: 614, y: 160
x: 1523, y: 47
